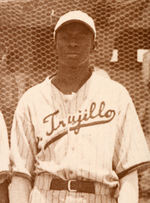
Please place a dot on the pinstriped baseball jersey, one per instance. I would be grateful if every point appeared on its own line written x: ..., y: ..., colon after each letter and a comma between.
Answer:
x: 93, y: 134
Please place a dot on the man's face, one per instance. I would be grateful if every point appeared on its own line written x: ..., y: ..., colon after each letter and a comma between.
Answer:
x: 74, y: 43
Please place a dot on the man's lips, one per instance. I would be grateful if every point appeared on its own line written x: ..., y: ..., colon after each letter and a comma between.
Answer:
x: 73, y: 54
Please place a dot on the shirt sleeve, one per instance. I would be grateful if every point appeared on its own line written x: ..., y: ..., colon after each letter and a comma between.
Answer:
x: 23, y: 145
x: 131, y: 150
x: 4, y: 151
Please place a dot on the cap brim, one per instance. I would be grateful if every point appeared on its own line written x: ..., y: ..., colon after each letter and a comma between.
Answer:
x: 72, y: 21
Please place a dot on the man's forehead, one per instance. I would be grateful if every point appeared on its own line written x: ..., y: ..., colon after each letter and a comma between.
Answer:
x: 74, y: 26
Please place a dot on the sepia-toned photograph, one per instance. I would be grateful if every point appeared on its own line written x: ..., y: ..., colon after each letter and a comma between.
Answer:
x: 74, y: 101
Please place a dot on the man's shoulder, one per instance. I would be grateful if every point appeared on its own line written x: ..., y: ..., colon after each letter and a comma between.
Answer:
x: 34, y: 91
x: 102, y: 78
x: 111, y: 91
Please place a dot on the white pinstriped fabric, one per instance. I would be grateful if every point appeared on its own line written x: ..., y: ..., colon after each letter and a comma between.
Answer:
x: 102, y: 138
x: 68, y: 197
x: 4, y: 151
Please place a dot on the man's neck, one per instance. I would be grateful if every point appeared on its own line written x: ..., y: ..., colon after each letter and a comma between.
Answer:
x: 70, y: 80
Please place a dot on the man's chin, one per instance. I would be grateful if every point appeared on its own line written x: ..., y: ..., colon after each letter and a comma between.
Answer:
x: 73, y: 63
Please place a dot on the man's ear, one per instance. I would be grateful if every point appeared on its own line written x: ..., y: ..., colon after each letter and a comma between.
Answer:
x: 94, y: 45
x: 55, y: 45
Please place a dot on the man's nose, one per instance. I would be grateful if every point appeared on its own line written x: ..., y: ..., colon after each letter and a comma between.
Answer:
x: 73, y: 43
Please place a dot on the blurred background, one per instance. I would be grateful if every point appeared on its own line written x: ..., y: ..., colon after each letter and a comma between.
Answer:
x: 27, y: 53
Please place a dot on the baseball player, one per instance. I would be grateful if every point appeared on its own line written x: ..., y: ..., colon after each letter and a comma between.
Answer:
x: 76, y: 137
x: 4, y: 162
x: 4, y: 146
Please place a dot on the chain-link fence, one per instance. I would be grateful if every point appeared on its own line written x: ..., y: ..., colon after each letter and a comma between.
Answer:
x: 28, y: 54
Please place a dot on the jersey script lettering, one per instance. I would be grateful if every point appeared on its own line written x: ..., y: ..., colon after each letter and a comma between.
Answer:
x: 76, y: 121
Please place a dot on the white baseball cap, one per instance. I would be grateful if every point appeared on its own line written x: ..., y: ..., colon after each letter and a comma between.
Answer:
x: 76, y: 16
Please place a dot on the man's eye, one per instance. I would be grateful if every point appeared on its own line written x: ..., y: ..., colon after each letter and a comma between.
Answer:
x: 82, y: 36
x: 64, y: 37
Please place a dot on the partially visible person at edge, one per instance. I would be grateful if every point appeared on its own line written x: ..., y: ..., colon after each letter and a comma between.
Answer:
x: 5, y: 174
x: 4, y: 148
x: 76, y: 136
